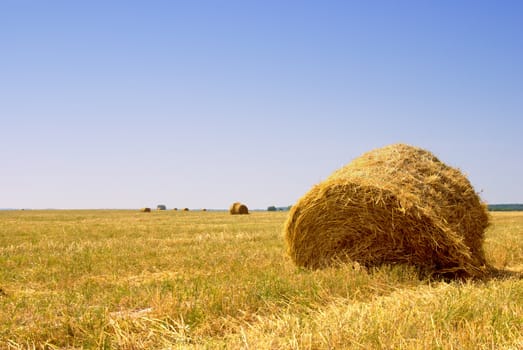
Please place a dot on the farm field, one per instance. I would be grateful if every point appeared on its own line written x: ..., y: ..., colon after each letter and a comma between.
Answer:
x: 122, y: 279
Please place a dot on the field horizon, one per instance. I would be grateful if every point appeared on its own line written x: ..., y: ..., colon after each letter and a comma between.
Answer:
x: 492, y: 207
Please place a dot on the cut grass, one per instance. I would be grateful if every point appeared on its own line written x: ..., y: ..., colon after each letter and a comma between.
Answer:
x: 128, y: 280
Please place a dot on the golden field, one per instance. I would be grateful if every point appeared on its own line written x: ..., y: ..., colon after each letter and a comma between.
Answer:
x: 121, y: 279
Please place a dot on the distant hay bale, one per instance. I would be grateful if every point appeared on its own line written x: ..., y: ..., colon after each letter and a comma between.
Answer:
x: 161, y: 207
x: 145, y: 210
x: 238, y: 208
x: 185, y: 209
x: 397, y: 204
x: 175, y: 209
x: 203, y: 209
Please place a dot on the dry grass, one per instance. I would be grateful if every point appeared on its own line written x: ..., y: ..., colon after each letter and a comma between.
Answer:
x: 119, y: 279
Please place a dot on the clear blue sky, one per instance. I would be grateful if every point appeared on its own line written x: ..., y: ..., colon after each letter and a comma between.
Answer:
x: 125, y: 104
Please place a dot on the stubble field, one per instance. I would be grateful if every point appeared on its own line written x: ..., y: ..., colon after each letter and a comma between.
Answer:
x: 209, y: 280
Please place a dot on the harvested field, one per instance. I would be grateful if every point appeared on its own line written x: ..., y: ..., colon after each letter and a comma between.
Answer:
x: 206, y: 280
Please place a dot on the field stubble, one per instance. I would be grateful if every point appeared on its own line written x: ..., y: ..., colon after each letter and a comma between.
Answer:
x: 209, y: 280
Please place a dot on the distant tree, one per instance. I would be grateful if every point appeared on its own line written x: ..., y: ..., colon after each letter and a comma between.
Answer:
x: 271, y: 208
x: 505, y: 207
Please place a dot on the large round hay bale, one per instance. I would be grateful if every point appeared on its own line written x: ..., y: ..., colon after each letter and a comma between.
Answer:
x: 145, y: 210
x: 238, y: 208
x: 397, y: 204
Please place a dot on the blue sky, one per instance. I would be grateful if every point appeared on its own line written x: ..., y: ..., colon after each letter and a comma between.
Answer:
x: 125, y: 104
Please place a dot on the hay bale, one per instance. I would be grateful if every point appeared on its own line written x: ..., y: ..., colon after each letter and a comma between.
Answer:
x: 238, y: 208
x: 397, y: 204
x: 234, y: 208
x: 161, y: 207
x: 145, y: 210
x: 185, y: 209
